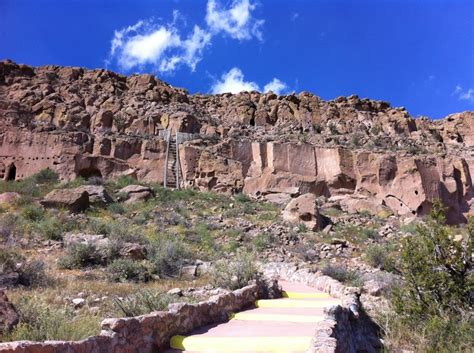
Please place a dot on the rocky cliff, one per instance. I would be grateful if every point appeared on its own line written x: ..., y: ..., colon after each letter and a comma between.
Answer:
x: 362, y: 154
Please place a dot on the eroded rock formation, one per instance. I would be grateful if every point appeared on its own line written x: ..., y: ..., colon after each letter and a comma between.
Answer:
x: 366, y: 154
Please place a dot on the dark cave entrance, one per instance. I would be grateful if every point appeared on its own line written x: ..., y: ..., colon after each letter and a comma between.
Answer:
x: 88, y: 173
x: 11, y: 175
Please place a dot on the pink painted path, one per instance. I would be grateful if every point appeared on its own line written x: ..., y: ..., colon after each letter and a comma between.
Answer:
x: 284, y: 325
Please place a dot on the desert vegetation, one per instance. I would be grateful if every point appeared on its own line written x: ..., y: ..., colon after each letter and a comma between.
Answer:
x: 125, y: 258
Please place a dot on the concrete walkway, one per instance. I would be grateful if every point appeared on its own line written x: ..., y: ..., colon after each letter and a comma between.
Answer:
x: 284, y: 325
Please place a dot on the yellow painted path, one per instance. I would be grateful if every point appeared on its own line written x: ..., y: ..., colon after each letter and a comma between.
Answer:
x: 285, y: 325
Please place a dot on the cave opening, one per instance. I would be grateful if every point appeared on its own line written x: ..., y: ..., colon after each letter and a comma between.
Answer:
x: 88, y: 173
x: 11, y: 175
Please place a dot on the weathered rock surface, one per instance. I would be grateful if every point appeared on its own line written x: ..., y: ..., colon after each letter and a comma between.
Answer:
x: 96, y: 123
x: 9, y: 198
x: 72, y: 199
x: 134, y: 193
x: 304, y: 210
x: 8, y: 315
x: 103, y: 245
x: 97, y: 194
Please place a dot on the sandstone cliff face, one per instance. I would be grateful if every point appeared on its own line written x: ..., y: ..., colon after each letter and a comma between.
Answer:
x: 365, y: 153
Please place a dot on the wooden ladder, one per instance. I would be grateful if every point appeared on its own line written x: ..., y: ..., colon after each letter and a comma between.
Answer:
x: 172, y: 165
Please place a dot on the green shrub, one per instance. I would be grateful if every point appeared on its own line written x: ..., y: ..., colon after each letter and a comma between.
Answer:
x: 33, y: 274
x: 143, y: 302
x: 97, y: 225
x: 116, y: 208
x: 126, y: 270
x: 168, y: 257
x: 8, y: 259
x: 33, y: 212
x: 46, y: 176
x: 342, y: 274
x: 125, y: 180
x: 40, y: 322
x: 80, y: 256
x: 242, y: 198
x: 234, y: 274
x: 125, y: 231
x: 379, y: 256
x: 435, y: 298
x: 263, y: 241
x: 51, y: 228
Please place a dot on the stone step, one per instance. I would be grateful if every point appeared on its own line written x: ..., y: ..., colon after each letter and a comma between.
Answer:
x: 295, y: 303
x: 241, y: 344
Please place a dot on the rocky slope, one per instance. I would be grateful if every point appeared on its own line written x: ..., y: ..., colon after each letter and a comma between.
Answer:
x: 360, y: 154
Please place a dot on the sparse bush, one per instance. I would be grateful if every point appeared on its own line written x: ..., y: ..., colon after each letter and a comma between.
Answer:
x: 46, y: 176
x: 436, y: 299
x: 95, y: 180
x: 33, y: 274
x: 8, y: 259
x: 126, y: 232
x: 333, y: 129
x: 51, y: 228
x: 144, y: 302
x: 116, y: 208
x: 302, y: 228
x: 97, y: 225
x: 356, y: 139
x: 242, y: 198
x: 234, y: 274
x: 379, y: 256
x: 125, y: 180
x: 168, y: 257
x: 33, y: 212
x: 263, y: 241
x: 342, y: 274
x: 40, y: 322
x: 8, y: 225
x: 126, y: 270
x: 317, y: 128
x: 80, y: 256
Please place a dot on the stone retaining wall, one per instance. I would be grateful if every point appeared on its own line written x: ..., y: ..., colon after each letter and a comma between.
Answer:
x: 151, y: 332
x: 346, y: 329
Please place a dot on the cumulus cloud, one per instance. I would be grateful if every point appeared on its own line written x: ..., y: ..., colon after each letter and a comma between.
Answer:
x: 462, y: 94
x: 237, y: 21
x: 234, y: 81
x: 276, y: 86
x: 166, y: 48
x: 161, y: 46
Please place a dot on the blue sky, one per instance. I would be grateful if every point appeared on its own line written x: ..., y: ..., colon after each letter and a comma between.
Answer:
x: 413, y: 53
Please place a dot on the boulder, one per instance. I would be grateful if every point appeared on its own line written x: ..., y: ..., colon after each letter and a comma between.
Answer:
x: 133, y: 251
x: 135, y: 193
x: 103, y: 245
x: 72, y: 199
x: 8, y: 314
x: 303, y: 209
x: 359, y: 204
x: 97, y: 194
x: 9, y: 198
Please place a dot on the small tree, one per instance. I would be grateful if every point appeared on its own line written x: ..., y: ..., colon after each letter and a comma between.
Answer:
x: 436, y: 298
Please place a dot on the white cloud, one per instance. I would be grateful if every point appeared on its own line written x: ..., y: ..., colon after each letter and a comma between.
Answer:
x: 276, y: 86
x: 294, y: 16
x: 161, y: 46
x: 462, y: 94
x: 237, y: 21
x: 166, y: 48
x: 148, y: 48
x: 234, y: 82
